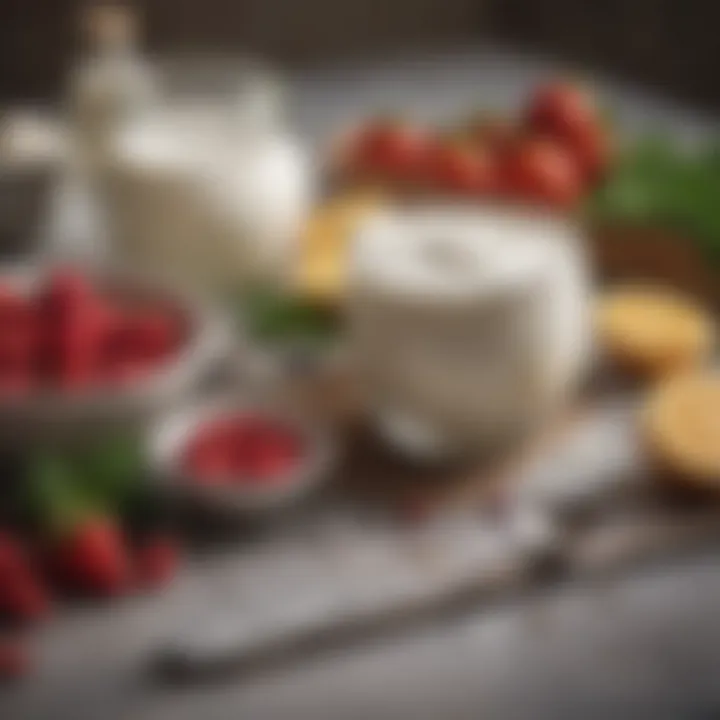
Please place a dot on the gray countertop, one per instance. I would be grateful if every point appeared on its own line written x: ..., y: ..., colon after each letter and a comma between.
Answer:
x: 639, y: 646
x: 642, y: 646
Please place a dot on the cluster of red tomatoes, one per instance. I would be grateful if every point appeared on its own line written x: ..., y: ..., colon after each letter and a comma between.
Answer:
x: 554, y: 156
x: 69, y: 335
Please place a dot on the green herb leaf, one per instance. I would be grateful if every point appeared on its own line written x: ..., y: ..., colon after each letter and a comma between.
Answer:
x: 55, y: 502
x: 656, y: 182
x: 273, y: 316
x: 110, y: 471
x: 64, y: 487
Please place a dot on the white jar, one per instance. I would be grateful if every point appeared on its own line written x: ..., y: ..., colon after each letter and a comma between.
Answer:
x: 466, y: 325
x: 208, y: 195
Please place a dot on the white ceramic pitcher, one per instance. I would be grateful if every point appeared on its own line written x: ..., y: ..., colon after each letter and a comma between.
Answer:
x: 208, y: 194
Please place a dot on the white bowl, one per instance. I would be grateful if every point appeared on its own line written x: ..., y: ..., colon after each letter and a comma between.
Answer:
x: 169, y: 438
x: 54, y: 415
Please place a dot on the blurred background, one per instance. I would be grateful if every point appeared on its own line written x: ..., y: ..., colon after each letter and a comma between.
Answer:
x: 671, y: 44
x: 641, y: 645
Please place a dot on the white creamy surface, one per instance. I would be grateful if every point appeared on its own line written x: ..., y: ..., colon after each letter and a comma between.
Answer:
x: 452, y: 254
x: 467, y: 324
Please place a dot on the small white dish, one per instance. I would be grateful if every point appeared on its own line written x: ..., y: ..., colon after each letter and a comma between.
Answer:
x: 169, y: 439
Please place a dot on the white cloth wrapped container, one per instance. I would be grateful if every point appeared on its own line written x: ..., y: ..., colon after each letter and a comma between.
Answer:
x: 467, y: 325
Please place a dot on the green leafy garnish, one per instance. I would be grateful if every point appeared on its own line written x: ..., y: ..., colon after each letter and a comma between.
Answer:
x: 65, y: 486
x: 658, y: 183
x: 55, y: 502
x: 275, y: 317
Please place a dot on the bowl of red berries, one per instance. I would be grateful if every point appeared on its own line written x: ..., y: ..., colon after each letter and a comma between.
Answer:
x: 81, y: 350
x: 231, y: 456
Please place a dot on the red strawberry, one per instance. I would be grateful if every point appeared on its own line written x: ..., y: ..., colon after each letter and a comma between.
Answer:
x: 14, y: 659
x: 157, y: 561
x: 23, y: 598
x: 93, y: 558
x: 73, y: 323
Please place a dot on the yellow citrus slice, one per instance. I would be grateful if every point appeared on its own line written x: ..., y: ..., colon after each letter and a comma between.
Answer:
x: 653, y: 331
x: 681, y: 423
x: 321, y: 271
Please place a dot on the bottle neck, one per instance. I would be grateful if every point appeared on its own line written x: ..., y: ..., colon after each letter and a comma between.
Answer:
x: 111, y: 31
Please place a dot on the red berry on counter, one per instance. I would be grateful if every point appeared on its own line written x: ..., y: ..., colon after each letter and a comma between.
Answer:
x: 542, y: 171
x: 93, y: 558
x: 157, y: 561
x: 23, y: 598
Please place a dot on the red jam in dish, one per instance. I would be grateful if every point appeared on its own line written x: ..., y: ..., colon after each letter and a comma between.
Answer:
x: 243, y: 449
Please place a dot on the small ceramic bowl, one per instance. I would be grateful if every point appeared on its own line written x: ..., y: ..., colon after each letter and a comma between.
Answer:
x: 169, y: 440
x: 57, y: 416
